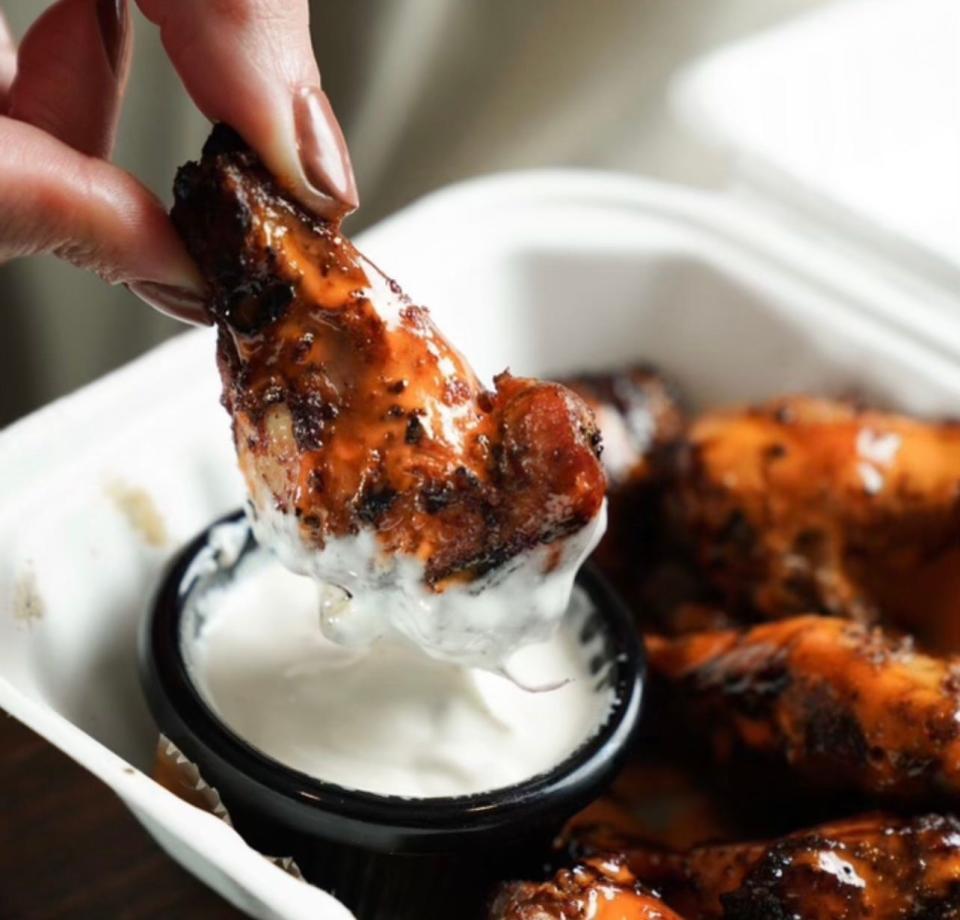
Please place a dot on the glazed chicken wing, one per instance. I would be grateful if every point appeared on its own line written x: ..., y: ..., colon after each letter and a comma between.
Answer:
x: 874, y: 867
x: 844, y: 704
x: 374, y: 458
x: 811, y: 505
x: 599, y: 889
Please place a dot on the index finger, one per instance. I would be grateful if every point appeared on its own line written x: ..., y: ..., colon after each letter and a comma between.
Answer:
x: 250, y: 63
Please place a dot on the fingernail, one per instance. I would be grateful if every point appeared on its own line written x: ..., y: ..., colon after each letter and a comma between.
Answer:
x: 113, y: 18
x: 177, y: 302
x: 322, y: 149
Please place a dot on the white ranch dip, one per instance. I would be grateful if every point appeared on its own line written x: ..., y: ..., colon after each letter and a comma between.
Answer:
x: 385, y: 719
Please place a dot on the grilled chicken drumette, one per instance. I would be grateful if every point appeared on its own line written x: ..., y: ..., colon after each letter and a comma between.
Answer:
x: 874, y: 867
x: 807, y: 505
x: 844, y: 704
x: 374, y: 458
x: 601, y: 888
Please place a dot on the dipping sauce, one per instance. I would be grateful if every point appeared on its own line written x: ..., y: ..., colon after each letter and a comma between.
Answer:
x: 385, y: 719
x: 378, y: 597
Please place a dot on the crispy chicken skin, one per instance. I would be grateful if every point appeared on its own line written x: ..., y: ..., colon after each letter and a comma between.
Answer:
x: 812, y: 505
x: 352, y: 412
x: 601, y: 888
x: 844, y: 704
x: 873, y: 867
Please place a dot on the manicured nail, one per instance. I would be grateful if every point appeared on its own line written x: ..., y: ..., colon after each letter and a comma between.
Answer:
x: 113, y: 17
x: 323, y: 151
x: 179, y: 303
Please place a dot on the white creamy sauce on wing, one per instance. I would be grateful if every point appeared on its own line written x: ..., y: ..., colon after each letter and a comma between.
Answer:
x: 383, y: 718
x: 367, y: 595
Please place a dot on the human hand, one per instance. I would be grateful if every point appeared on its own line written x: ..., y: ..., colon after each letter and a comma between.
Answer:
x: 245, y: 62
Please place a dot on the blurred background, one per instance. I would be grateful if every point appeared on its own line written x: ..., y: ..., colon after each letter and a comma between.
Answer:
x: 428, y: 92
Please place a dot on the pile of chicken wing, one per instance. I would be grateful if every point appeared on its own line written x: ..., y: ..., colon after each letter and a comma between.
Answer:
x: 793, y: 566
x: 795, y: 570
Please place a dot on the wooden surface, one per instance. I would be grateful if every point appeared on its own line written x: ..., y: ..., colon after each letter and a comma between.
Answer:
x: 69, y: 848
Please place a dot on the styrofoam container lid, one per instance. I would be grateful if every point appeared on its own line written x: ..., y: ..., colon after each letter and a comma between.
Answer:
x: 851, y: 115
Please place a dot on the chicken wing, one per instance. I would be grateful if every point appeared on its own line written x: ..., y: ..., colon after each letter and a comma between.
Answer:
x: 811, y: 505
x: 873, y: 867
x: 374, y: 459
x: 843, y: 704
x: 599, y: 889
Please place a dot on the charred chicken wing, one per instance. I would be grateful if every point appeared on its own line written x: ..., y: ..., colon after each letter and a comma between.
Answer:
x: 599, y: 889
x: 374, y: 459
x: 812, y: 505
x: 874, y: 867
x: 842, y: 703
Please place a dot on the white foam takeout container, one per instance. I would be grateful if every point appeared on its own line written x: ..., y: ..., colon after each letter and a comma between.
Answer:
x: 542, y: 272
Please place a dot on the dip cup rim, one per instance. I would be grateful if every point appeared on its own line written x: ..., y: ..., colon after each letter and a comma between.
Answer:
x: 369, y: 818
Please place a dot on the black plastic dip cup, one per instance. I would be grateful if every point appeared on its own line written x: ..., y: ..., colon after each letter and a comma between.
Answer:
x: 385, y: 856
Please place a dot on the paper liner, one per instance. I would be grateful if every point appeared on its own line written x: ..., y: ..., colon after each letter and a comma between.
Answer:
x: 181, y: 776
